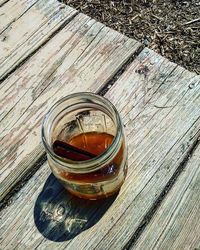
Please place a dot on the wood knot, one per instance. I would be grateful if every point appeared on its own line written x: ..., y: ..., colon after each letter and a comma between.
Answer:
x: 142, y: 70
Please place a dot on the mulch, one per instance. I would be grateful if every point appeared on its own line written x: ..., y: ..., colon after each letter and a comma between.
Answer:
x: 169, y: 27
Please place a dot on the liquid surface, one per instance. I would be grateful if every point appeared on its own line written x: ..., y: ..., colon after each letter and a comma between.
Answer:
x: 93, y: 142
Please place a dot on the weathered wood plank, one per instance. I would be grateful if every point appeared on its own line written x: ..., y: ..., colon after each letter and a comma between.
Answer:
x: 12, y: 11
x: 160, y: 129
x: 23, y: 36
x: 82, y: 56
x: 176, y: 224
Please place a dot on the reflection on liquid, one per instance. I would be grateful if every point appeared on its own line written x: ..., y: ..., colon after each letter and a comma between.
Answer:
x: 60, y: 216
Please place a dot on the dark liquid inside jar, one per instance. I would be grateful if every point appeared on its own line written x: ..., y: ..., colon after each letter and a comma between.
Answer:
x: 96, y: 144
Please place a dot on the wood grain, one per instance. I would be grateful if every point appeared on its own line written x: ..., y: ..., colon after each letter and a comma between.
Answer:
x: 160, y: 107
x: 176, y: 224
x: 12, y: 11
x: 25, y: 31
x: 84, y: 55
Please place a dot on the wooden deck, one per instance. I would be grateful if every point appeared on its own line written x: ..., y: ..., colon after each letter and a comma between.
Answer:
x: 49, y: 50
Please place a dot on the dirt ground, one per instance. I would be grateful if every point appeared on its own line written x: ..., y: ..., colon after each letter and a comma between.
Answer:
x: 169, y: 27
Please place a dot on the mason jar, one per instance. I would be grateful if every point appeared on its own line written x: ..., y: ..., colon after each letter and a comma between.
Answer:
x: 93, y: 122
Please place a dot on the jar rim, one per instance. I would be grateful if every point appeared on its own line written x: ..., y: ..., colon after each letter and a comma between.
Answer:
x: 96, y: 162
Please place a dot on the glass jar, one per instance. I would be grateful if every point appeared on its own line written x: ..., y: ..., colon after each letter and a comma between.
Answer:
x: 87, y: 116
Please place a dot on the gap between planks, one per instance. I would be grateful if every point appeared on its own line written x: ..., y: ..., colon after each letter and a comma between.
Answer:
x: 2, y: 2
x: 120, y: 72
x: 19, y: 185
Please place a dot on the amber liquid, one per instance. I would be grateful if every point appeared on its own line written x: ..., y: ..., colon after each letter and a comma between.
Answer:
x: 96, y: 144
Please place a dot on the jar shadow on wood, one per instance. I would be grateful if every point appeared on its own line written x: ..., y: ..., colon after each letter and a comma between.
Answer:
x: 60, y: 216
